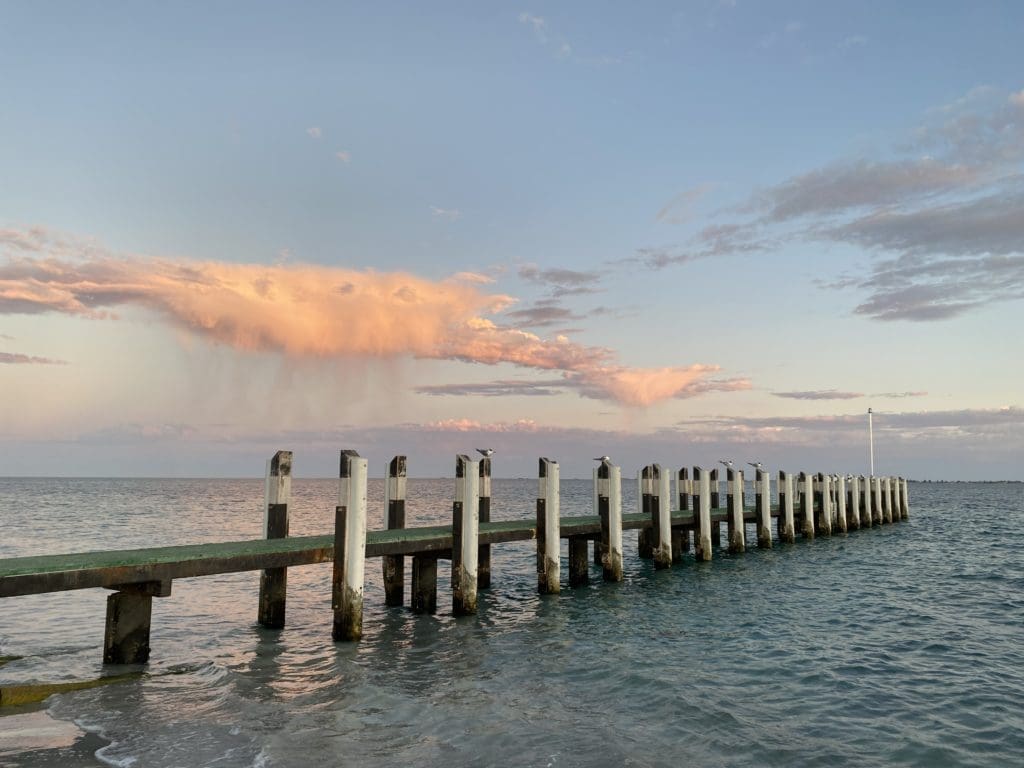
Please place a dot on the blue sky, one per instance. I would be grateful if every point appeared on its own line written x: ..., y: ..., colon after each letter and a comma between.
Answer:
x: 659, y: 231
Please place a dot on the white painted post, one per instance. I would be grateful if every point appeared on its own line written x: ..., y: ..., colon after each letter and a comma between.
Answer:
x: 840, y: 481
x: 549, y: 557
x: 274, y: 581
x: 825, y: 517
x: 763, y: 498
x: 787, y: 529
x: 661, y: 500
x: 737, y: 525
x: 349, y: 548
x: 866, y: 494
x: 608, y: 482
x: 876, y: 500
x: 393, y: 566
x: 702, y: 513
x: 905, y: 505
x: 807, y: 504
x: 465, y: 535
x: 854, y: 502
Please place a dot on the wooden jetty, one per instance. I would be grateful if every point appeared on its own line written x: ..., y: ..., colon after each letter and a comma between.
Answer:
x: 819, y: 505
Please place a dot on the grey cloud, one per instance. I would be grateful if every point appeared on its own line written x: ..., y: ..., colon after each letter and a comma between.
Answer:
x: 501, y: 388
x: 901, y: 394
x: 562, y: 282
x: 839, y: 188
x: 819, y: 394
x: 542, y: 314
x: 945, y: 215
x: 16, y: 358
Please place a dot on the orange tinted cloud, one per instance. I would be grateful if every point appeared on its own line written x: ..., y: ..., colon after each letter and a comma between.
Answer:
x: 317, y: 312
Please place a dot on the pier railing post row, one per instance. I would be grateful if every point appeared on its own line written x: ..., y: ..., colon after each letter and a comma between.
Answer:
x: 734, y: 497
x: 840, y: 492
x: 702, y: 513
x: 787, y: 526
x: 661, y: 516
x: 806, y: 483
x: 394, y: 510
x: 274, y: 581
x: 763, y: 502
x: 608, y: 493
x: 465, y: 535
x: 483, y: 567
x: 549, y: 541
x: 680, y: 535
x: 349, y: 548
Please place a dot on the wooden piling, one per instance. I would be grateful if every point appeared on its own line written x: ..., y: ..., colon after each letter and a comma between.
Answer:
x: 876, y: 500
x: 608, y: 493
x: 824, y: 503
x: 129, y: 615
x: 483, y: 567
x: 867, y: 514
x: 349, y: 548
x: 807, y: 505
x: 274, y: 581
x: 681, y: 536
x: 894, y: 499
x: 702, y: 513
x: 905, y: 499
x: 661, y: 516
x: 716, y: 527
x: 787, y: 526
x: 465, y: 535
x: 737, y: 525
x: 853, y: 503
x: 424, y: 583
x: 840, y: 492
x: 763, y: 502
x: 886, y: 500
x: 579, y: 563
x: 645, y: 494
x: 548, y: 533
x: 394, y: 509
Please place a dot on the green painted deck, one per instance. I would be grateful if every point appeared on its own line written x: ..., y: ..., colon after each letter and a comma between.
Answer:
x: 83, y: 570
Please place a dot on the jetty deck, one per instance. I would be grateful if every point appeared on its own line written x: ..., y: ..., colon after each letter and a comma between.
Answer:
x: 819, y: 504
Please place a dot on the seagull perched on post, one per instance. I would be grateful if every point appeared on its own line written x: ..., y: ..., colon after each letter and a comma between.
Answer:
x: 602, y: 458
x: 726, y: 462
x: 485, y: 452
x: 755, y: 464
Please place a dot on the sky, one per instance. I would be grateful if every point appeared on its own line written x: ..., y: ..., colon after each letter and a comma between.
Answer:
x: 672, y: 232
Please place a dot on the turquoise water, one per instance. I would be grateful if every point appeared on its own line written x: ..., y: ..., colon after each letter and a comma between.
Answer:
x: 899, y: 645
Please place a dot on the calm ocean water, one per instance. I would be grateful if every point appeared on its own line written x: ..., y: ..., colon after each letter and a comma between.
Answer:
x: 901, y: 645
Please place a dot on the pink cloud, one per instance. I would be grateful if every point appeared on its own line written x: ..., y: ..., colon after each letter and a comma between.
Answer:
x: 312, y: 311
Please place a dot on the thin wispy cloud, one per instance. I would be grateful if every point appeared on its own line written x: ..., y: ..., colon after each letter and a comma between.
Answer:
x: 296, y: 309
x: 314, y: 132
x: 500, y: 388
x: 680, y: 208
x: 16, y: 358
x: 447, y: 214
x: 344, y: 155
x: 819, y: 394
